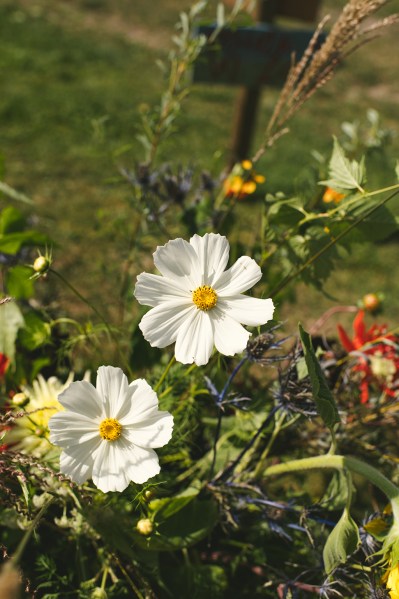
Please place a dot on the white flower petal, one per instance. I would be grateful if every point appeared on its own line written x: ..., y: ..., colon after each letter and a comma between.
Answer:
x: 160, y: 325
x: 112, y: 386
x: 194, y: 342
x: 178, y: 260
x: 82, y: 397
x: 248, y: 310
x: 144, y: 466
x: 119, y: 462
x: 110, y: 467
x: 151, y: 290
x: 143, y: 403
x: 156, y: 431
x: 77, y: 461
x: 241, y: 276
x: 213, y: 252
x: 230, y: 337
x: 70, y: 428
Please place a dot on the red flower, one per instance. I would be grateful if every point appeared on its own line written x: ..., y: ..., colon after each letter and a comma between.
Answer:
x: 4, y: 363
x: 377, y: 356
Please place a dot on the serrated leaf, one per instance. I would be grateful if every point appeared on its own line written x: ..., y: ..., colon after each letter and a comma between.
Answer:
x: 322, y: 395
x: 342, y: 541
x: 11, y: 320
x: 344, y: 174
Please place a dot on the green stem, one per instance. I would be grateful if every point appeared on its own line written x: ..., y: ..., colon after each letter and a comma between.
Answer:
x: 261, y: 464
x: 24, y: 541
x: 292, y: 276
x: 100, y: 316
x: 339, y: 462
x: 164, y: 374
x: 104, y: 578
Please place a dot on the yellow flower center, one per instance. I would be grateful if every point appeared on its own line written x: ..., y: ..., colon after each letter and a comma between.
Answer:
x: 205, y: 298
x: 110, y: 429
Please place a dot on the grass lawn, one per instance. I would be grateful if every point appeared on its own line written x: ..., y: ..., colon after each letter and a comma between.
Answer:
x: 73, y: 78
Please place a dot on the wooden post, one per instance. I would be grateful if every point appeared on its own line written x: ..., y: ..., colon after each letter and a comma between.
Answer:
x: 248, y: 99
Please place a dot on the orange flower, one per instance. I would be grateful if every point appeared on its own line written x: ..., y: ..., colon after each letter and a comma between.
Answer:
x: 242, y: 181
x: 330, y: 195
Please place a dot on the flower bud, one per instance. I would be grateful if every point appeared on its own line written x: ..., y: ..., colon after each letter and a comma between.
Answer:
x: 20, y: 399
x: 144, y: 527
x: 41, y: 265
x: 98, y: 594
x: 149, y: 495
x: 371, y: 302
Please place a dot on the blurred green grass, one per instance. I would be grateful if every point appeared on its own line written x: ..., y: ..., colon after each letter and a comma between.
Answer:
x: 73, y: 78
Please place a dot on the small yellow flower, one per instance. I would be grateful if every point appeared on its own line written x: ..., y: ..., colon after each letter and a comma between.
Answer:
x: 330, y: 195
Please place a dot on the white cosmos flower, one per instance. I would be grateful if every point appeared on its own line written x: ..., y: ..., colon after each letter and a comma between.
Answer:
x: 108, y: 432
x: 196, y: 303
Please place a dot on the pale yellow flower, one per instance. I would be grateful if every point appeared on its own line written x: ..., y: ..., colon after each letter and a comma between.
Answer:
x: 30, y: 433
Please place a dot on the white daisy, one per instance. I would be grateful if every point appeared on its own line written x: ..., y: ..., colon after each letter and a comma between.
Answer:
x: 196, y: 303
x: 107, y: 432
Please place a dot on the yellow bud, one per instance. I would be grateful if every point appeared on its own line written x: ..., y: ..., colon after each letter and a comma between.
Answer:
x: 145, y: 527
x: 20, y: 399
x: 149, y: 494
x: 41, y: 264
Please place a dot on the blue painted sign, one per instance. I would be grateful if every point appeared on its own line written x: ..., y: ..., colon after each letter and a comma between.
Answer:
x: 250, y: 56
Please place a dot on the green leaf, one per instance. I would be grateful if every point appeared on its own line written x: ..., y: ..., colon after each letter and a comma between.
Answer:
x: 342, y: 541
x: 11, y: 320
x: 165, y: 508
x: 35, y: 332
x: 19, y: 283
x: 344, y: 174
x: 12, y: 243
x: 11, y: 220
x: 184, y: 528
x: 322, y: 395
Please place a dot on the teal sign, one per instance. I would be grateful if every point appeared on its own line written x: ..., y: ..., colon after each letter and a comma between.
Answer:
x: 250, y: 56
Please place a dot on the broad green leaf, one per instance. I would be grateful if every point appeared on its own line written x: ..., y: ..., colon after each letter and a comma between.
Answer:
x: 11, y: 220
x: 165, y: 508
x: 19, y: 282
x: 11, y: 320
x: 322, y: 395
x: 345, y: 174
x: 12, y: 243
x: 184, y: 528
x: 342, y: 541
